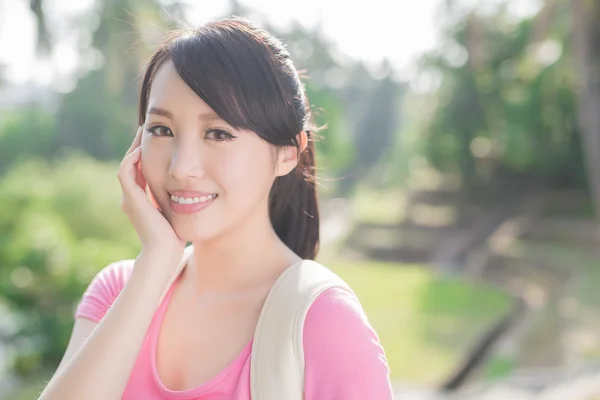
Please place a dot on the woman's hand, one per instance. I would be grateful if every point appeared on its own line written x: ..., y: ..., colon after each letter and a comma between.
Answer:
x: 155, y: 232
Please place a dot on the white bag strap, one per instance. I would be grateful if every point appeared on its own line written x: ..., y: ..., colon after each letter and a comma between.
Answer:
x: 277, y: 360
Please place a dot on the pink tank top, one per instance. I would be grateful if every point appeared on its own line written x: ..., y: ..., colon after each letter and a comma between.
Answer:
x: 344, y: 359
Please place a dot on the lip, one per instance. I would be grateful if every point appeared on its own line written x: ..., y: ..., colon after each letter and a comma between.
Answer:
x: 189, y: 208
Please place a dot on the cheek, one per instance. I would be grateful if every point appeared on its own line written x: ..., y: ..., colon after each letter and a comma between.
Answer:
x: 249, y: 173
x: 148, y: 169
x: 153, y: 167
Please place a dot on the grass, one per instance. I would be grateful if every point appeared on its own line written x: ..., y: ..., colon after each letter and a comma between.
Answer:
x: 424, y: 323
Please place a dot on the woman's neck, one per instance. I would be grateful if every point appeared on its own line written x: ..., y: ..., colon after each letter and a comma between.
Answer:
x: 248, y: 256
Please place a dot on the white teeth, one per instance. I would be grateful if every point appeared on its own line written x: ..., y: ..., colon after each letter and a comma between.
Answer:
x: 192, y: 200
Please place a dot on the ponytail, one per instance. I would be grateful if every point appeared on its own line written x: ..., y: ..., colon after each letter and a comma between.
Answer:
x: 293, y: 206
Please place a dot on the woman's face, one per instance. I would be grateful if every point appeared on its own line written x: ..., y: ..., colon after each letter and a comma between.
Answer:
x: 206, y: 177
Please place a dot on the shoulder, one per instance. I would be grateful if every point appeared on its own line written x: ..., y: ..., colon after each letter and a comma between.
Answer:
x: 344, y: 358
x: 337, y: 318
x: 114, y: 276
x: 104, y: 289
x: 334, y: 311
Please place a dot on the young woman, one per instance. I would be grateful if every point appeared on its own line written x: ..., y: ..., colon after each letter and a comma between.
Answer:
x: 223, y: 158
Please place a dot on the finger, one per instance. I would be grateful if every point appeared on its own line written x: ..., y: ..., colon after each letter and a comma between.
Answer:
x: 127, y: 170
x: 137, y: 141
x: 141, y: 181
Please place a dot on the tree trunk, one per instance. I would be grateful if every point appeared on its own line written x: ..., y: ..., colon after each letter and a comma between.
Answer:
x: 586, y: 35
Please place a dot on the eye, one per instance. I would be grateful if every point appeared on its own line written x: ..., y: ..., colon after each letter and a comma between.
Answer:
x: 160, y: 130
x: 219, y: 135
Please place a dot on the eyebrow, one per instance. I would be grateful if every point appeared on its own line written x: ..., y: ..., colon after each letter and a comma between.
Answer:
x: 160, y: 111
x: 207, y: 115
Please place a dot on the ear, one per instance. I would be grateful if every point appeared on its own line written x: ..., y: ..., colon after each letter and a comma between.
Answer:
x: 287, y: 158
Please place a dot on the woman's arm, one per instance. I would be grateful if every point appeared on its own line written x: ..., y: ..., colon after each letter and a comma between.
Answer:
x: 82, y: 329
x: 100, y: 357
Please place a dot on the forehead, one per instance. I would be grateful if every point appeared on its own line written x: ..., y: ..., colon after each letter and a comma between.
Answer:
x: 169, y: 90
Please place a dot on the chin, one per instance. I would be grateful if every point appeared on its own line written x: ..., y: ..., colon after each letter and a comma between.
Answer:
x: 192, y: 227
x: 193, y: 231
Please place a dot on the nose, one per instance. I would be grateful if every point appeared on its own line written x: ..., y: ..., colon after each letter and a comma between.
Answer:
x: 186, y: 161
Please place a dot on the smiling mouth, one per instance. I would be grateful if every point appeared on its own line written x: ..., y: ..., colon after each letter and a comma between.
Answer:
x: 192, y: 200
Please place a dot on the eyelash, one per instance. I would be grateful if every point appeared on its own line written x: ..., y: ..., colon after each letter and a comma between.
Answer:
x: 227, y: 136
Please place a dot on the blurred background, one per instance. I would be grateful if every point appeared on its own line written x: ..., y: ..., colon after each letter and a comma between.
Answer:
x: 459, y: 176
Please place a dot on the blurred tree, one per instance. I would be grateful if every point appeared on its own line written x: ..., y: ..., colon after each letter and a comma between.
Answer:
x: 43, y: 35
x: 505, y: 106
x: 58, y: 227
x: 374, y: 108
x: 29, y: 132
x: 99, y: 115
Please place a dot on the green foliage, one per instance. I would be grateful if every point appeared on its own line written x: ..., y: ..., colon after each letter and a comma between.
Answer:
x: 60, y: 224
x: 25, y: 133
x: 510, y: 92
